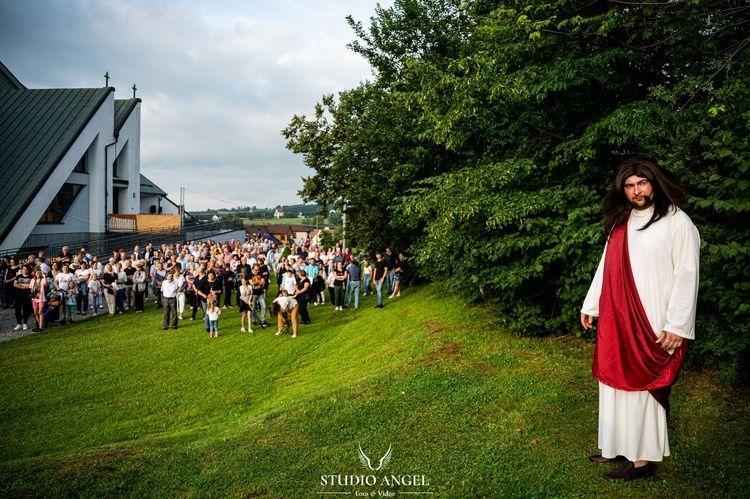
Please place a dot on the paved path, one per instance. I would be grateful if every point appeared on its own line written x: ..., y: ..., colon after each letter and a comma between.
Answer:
x: 8, y: 321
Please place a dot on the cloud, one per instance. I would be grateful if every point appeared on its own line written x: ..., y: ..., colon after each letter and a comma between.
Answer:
x: 218, y: 80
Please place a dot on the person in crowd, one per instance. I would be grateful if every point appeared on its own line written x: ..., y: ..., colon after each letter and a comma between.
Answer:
x: 69, y: 298
x: 243, y: 270
x: 285, y: 308
x: 398, y: 275
x: 390, y: 261
x: 122, y: 280
x: 198, y: 302
x: 38, y: 285
x: 302, y: 295
x: 245, y: 295
x: 258, y: 283
x: 82, y: 274
x: 381, y: 271
x: 288, y: 281
x: 9, y: 277
x: 211, y: 288
x: 3, y: 268
x: 229, y: 284
x: 366, y: 277
x: 319, y: 285
x: 330, y: 284
x: 644, y: 292
x: 22, y: 299
x: 213, y: 312
x: 129, y: 270
x: 340, y: 276
x: 64, y: 257
x: 169, y: 290
x: 109, y: 286
x: 63, y: 278
x: 139, y: 285
x: 179, y: 278
x: 94, y: 290
x: 265, y: 272
x: 352, y: 287
x: 157, y: 277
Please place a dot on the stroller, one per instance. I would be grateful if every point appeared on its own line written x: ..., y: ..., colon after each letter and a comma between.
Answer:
x: 51, y: 309
x: 256, y: 319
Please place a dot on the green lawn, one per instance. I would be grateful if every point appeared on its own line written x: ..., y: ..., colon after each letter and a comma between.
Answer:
x: 117, y: 406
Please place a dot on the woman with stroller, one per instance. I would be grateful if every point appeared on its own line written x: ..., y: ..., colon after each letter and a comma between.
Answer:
x: 285, y: 308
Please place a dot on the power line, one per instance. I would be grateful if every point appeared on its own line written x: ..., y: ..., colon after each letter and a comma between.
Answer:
x: 231, y: 203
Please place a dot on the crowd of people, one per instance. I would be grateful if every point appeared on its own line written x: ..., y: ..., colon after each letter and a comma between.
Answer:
x: 207, y: 276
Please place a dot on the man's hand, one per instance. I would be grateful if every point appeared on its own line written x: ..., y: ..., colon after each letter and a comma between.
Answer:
x: 669, y: 341
x: 587, y: 321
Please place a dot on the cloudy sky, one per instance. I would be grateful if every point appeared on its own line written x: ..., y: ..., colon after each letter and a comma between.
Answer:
x: 219, y: 80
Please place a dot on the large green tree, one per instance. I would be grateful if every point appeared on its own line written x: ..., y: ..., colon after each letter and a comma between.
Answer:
x: 488, y: 144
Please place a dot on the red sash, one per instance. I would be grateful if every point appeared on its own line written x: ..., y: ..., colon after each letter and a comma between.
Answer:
x: 627, y: 356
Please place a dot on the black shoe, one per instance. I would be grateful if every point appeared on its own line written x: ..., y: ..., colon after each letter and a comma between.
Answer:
x: 174, y: 327
x: 265, y: 324
x: 602, y: 459
x: 166, y: 328
x: 628, y: 472
x: 378, y: 306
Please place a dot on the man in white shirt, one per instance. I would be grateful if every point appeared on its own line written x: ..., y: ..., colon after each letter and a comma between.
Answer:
x: 169, y: 288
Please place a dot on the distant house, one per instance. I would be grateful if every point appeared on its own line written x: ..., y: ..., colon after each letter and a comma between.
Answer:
x: 278, y: 213
x: 282, y: 233
x: 69, y: 158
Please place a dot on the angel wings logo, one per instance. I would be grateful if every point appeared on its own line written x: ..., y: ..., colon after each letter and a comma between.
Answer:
x: 384, y: 461
x: 410, y: 483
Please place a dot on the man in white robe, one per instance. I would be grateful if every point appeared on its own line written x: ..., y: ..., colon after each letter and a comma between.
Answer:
x: 663, y: 248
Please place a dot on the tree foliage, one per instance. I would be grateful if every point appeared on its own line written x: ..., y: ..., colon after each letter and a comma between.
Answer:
x: 491, y: 130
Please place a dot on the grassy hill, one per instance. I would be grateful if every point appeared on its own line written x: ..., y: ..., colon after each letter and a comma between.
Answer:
x: 117, y: 406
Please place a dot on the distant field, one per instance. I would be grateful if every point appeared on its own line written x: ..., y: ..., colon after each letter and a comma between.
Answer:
x: 119, y: 407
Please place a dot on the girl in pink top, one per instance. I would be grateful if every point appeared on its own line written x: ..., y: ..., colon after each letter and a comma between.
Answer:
x: 38, y: 298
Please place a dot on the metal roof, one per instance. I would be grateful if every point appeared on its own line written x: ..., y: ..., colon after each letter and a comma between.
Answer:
x: 7, y: 80
x: 150, y: 188
x: 123, y: 108
x: 37, y: 128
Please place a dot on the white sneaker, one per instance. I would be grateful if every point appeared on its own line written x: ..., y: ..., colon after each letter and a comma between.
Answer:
x: 250, y: 331
x: 278, y: 333
x: 101, y: 307
x: 17, y: 328
x: 242, y: 330
x: 25, y: 327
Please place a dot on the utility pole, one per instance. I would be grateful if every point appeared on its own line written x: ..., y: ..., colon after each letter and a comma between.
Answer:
x: 182, y: 209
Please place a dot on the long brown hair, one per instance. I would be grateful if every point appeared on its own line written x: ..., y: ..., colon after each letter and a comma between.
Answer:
x: 668, y: 191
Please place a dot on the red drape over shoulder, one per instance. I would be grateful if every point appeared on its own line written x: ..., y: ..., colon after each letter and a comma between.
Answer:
x: 627, y: 356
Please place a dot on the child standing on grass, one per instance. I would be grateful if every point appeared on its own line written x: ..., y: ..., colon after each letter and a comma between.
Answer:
x: 246, y: 311
x: 213, y: 312
x: 95, y: 288
x: 70, y: 300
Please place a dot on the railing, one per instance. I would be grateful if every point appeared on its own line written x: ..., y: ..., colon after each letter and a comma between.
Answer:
x: 103, y: 244
x: 119, y: 224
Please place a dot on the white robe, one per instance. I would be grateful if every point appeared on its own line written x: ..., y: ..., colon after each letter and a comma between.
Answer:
x: 665, y: 262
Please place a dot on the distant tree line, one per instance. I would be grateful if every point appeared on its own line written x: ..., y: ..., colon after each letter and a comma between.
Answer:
x: 486, y: 139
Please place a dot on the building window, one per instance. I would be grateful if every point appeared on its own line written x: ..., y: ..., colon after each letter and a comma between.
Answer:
x: 61, y: 204
x: 81, y: 166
